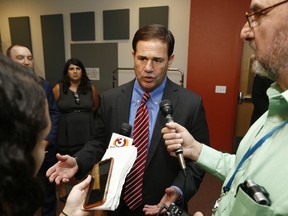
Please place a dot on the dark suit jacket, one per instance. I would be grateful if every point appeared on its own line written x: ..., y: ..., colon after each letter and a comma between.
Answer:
x: 161, y: 169
x: 54, y: 116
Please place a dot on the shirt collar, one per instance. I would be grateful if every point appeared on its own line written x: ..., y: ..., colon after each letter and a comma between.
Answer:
x: 285, y: 95
x: 275, y: 91
x: 155, y: 95
x: 278, y: 103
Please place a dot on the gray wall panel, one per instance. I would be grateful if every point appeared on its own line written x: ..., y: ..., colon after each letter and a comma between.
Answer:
x: 116, y: 24
x: 20, y: 31
x: 98, y: 55
x: 53, y: 46
x: 154, y: 15
x: 82, y: 26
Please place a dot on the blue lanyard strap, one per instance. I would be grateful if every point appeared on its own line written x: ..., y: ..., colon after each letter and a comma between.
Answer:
x: 250, y: 152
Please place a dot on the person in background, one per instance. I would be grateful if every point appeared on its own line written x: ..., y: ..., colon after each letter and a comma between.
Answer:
x: 78, y: 101
x: 259, y: 97
x: 24, y: 124
x: 22, y: 54
x: 161, y: 180
x: 255, y: 179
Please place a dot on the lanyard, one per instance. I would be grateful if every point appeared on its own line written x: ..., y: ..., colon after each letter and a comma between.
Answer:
x: 250, y: 152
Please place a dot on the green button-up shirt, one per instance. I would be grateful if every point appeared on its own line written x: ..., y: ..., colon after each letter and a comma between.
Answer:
x: 267, y: 167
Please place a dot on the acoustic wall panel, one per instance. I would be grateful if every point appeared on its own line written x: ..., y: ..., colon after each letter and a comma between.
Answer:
x: 82, y: 26
x: 20, y: 31
x: 53, y: 46
x: 101, y: 56
x: 154, y: 15
x: 116, y: 24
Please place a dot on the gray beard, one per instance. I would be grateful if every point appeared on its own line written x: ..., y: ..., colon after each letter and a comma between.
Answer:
x: 275, y: 60
x: 260, y: 70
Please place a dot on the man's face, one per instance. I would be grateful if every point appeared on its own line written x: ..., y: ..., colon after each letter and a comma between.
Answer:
x: 23, y: 56
x: 274, y: 61
x: 268, y: 38
x: 151, y: 63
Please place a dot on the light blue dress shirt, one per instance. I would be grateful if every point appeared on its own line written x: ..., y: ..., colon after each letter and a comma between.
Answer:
x: 152, y: 105
x: 153, y: 108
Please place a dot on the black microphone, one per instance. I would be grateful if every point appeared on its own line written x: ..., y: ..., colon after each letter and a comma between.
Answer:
x: 167, y: 110
x: 123, y: 138
x: 125, y: 129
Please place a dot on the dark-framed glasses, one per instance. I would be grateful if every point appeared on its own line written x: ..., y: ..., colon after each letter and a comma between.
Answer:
x: 254, y: 16
x: 76, y: 97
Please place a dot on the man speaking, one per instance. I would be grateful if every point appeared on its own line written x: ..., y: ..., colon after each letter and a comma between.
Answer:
x: 155, y: 178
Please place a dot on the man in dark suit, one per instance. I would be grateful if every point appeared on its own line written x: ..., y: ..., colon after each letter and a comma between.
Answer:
x: 163, y: 180
x: 22, y: 54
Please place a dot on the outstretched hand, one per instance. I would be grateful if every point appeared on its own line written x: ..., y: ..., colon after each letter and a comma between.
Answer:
x: 63, y: 170
x: 171, y: 196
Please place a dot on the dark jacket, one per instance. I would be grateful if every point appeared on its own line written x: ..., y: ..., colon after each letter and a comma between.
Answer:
x: 54, y: 116
x: 161, y: 170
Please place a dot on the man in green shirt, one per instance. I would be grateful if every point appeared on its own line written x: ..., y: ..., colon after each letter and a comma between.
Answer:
x: 262, y: 156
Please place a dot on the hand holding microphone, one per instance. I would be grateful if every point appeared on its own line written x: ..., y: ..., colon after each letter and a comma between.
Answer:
x: 167, y: 110
x: 182, y: 137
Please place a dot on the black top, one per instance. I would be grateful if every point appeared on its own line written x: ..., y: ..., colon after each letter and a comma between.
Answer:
x: 75, y: 121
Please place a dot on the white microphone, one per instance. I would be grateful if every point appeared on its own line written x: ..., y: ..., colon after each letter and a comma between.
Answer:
x: 167, y: 110
x: 122, y: 139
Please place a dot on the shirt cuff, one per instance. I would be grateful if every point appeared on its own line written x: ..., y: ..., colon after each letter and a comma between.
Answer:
x: 180, y: 192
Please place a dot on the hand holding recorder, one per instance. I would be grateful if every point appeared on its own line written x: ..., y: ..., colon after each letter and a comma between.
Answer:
x: 75, y: 199
x: 99, y: 185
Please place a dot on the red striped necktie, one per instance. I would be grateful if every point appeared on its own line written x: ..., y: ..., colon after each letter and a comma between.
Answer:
x: 133, y: 185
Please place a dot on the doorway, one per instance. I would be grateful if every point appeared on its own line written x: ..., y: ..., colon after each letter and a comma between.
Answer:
x: 245, y: 105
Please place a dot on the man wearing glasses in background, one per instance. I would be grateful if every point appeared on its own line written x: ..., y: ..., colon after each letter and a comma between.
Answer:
x: 255, y: 179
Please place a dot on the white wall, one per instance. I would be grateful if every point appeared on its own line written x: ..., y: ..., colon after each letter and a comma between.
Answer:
x: 178, y: 24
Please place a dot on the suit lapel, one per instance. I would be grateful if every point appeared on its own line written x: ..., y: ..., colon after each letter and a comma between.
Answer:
x: 170, y: 93
x: 124, y: 102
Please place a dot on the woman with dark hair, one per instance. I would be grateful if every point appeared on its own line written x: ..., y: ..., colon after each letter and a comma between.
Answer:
x: 24, y: 124
x: 78, y: 101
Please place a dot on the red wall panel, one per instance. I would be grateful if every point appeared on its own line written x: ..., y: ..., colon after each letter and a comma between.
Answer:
x: 215, y: 51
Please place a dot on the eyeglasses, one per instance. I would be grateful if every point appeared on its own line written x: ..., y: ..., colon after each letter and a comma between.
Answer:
x: 254, y: 16
x: 76, y: 97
